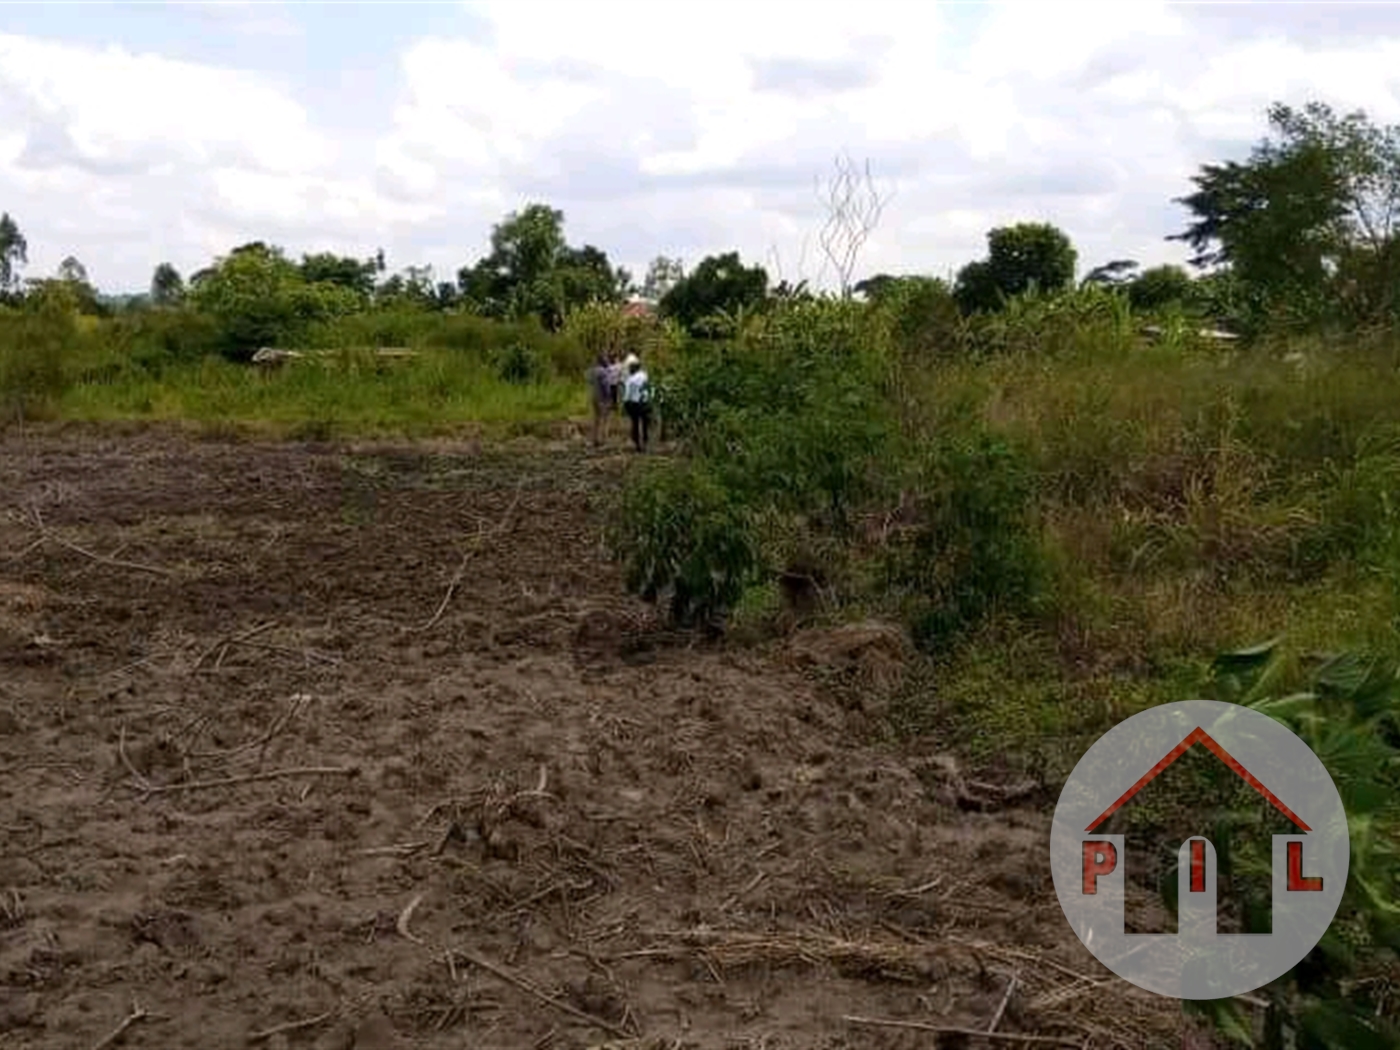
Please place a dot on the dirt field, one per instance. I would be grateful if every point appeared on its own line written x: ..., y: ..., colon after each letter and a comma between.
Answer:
x: 495, y: 806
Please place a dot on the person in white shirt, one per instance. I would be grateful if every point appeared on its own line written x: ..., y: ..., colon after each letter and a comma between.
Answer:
x: 636, y: 401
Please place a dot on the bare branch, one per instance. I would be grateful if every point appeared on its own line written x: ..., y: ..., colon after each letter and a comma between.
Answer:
x: 853, y: 206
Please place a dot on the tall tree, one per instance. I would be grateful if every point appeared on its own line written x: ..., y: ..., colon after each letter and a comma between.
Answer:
x: 1310, y: 217
x: 71, y: 270
x: 167, y: 287
x: 340, y: 270
x: 1029, y: 254
x: 532, y: 271
x: 719, y: 284
x: 14, y: 252
x: 1160, y: 286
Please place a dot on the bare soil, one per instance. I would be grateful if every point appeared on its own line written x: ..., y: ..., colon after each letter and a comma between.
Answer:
x: 497, y: 806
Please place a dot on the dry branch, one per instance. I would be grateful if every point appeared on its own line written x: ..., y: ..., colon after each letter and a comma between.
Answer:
x: 250, y: 778
x: 477, y: 541
x: 225, y: 642
x: 112, y: 1037
x: 1005, y: 1037
x: 544, y: 997
x: 1001, y: 1008
x: 290, y: 1026
x: 404, y: 916
x: 49, y: 534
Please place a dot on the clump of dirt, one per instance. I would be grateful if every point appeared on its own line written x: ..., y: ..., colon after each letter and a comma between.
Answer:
x: 314, y: 751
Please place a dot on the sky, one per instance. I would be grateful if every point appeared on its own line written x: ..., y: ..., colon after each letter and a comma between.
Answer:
x: 134, y: 134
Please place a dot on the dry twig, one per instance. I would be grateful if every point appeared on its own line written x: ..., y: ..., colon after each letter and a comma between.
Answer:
x: 404, y: 916
x: 48, y: 534
x: 251, y: 778
x: 1001, y: 1009
x: 224, y: 643
x: 477, y: 541
x: 544, y: 997
x: 112, y: 1037
x: 290, y: 1026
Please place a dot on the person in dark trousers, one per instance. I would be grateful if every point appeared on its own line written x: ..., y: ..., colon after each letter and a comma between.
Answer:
x: 602, y: 394
x: 636, y: 400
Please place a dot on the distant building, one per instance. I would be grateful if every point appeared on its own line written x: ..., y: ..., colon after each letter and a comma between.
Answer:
x: 641, y: 308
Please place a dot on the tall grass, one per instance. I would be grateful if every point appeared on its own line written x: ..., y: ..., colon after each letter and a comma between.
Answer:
x: 53, y: 365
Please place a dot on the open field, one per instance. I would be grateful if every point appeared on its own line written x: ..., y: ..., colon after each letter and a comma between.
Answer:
x: 525, y: 816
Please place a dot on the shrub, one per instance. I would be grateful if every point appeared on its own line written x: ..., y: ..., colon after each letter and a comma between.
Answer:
x: 683, y: 534
x: 35, y: 347
x: 519, y: 363
x: 974, y: 547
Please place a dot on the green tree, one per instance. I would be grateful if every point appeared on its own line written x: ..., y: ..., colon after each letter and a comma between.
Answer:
x: 531, y: 270
x: 70, y: 269
x: 1160, y: 286
x: 1112, y: 274
x: 1029, y: 254
x: 14, y: 252
x: 341, y: 270
x: 719, y: 284
x: 167, y: 286
x: 1309, y: 220
x: 412, y: 289
x: 516, y: 277
x: 259, y: 298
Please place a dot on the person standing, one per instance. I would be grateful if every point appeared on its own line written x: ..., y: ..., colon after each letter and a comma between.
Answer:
x: 615, y: 380
x: 636, y: 400
x: 602, y: 394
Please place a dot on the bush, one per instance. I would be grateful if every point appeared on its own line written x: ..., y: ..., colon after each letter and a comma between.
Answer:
x: 520, y: 364
x: 974, y: 547
x: 36, y: 345
x: 683, y: 534
x: 785, y: 428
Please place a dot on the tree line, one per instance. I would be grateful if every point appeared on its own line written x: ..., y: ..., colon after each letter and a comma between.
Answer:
x: 1300, y: 234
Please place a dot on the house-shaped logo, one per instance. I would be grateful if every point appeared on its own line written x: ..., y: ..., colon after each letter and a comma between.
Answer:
x: 1309, y: 858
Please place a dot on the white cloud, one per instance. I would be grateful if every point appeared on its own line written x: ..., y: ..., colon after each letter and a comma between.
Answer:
x: 687, y: 131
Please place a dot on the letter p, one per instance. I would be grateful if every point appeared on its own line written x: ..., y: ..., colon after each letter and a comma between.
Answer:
x: 1100, y: 858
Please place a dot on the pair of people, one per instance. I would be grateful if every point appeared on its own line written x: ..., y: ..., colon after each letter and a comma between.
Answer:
x: 610, y: 380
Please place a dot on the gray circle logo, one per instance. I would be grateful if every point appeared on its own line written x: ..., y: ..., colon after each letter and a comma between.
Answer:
x: 1309, y: 859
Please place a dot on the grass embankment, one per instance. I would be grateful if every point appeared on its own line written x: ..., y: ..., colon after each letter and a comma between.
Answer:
x: 1188, y: 503
x: 436, y: 393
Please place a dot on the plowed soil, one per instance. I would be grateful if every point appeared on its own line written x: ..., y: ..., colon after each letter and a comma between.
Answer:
x: 366, y: 747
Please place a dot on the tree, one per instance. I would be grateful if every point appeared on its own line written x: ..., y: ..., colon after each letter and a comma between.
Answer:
x: 14, y: 252
x: 720, y: 284
x: 877, y: 287
x: 1310, y: 217
x: 531, y: 270
x: 853, y: 207
x: 1113, y: 273
x: 341, y: 270
x: 77, y: 290
x: 1160, y: 286
x: 70, y: 269
x: 1029, y: 254
x: 259, y: 298
x: 167, y: 287
x: 662, y: 275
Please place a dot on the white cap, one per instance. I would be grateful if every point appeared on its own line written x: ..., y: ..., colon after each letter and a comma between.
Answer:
x: 632, y: 359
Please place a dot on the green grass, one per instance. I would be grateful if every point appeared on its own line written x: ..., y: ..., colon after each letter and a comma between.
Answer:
x: 438, y: 392
x: 1190, y: 503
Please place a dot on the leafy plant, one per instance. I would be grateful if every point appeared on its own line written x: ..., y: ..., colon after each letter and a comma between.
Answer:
x: 682, y: 534
x: 1349, y: 714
